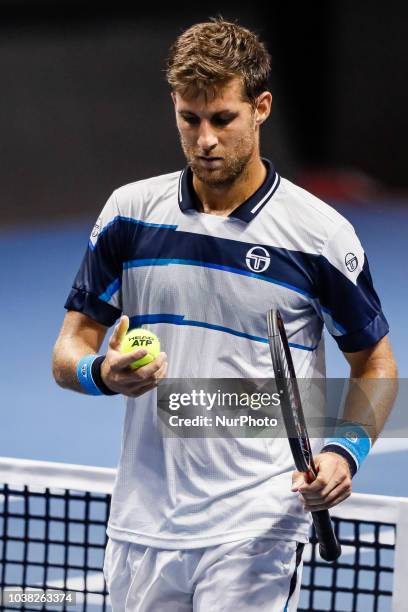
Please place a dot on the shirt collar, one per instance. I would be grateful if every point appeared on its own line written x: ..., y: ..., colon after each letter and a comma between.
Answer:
x: 246, y: 211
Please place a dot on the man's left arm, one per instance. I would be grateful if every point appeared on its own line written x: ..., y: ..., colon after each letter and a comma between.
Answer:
x: 372, y: 390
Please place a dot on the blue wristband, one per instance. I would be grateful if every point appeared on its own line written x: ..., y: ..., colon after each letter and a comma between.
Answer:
x: 84, y: 375
x: 352, y: 441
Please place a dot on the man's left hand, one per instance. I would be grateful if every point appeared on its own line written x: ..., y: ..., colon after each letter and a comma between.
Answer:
x: 332, y: 485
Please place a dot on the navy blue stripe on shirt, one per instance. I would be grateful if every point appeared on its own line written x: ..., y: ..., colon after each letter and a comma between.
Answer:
x: 290, y: 268
x: 129, y: 243
x: 354, y: 308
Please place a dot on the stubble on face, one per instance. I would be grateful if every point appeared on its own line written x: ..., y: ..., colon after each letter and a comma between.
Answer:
x: 235, y: 158
x: 233, y: 165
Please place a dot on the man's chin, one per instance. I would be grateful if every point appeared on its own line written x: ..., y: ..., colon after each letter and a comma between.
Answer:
x: 212, y: 176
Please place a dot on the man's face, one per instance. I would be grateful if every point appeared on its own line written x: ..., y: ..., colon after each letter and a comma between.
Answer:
x: 218, y: 136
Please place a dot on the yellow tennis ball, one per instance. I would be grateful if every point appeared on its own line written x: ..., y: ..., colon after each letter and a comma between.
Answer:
x: 141, y: 339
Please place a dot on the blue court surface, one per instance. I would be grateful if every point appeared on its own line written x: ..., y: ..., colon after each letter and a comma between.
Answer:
x: 42, y: 421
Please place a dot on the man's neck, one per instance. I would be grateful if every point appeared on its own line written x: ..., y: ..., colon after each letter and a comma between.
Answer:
x: 222, y: 200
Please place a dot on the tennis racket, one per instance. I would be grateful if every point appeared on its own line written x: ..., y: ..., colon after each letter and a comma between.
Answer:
x: 295, y: 426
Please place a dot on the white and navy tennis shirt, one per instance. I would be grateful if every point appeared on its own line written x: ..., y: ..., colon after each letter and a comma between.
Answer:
x: 203, y: 284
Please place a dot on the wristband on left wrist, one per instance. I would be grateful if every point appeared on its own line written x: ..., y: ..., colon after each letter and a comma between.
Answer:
x: 351, y: 441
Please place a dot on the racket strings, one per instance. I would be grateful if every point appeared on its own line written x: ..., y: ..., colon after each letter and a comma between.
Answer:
x: 293, y: 398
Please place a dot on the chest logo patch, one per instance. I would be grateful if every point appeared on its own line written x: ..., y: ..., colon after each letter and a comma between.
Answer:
x: 258, y: 259
x: 351, y: 262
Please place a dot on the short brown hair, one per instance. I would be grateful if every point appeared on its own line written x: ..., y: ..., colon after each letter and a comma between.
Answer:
x: 208, y: 55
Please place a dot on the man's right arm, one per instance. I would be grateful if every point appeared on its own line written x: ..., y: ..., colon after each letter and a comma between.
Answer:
x: 80, y: 335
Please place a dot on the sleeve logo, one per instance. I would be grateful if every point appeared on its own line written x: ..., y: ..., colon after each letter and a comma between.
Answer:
x: 96, y: 228
x: 351, y: 262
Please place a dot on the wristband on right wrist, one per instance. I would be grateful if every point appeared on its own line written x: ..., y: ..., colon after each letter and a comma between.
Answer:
x: 97, y: 376
x: 84, y: 375
x: 89, y: 375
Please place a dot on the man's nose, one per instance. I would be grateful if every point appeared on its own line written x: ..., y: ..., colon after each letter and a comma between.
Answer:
x: 207, y: 139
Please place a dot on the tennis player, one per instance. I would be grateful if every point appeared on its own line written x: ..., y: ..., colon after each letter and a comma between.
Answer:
x: 198, y: 256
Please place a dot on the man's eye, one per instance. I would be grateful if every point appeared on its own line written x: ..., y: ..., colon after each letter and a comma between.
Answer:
x: 220, y: 121
x: 191, y: 120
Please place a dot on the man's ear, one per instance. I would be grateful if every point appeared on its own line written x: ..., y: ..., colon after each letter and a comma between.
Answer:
x: 263, y: 107
x: 173, y: 97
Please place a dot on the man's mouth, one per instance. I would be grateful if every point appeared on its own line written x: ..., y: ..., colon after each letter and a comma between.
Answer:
x: 209, y: 161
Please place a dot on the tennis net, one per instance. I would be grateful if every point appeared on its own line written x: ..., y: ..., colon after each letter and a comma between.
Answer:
x: 52, y: 536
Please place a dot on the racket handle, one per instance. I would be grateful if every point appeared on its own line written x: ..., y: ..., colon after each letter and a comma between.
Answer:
x: 329, y: 546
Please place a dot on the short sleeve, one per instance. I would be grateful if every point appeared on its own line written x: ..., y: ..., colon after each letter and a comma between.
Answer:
x: 348, y: 303
x: 96, y: 290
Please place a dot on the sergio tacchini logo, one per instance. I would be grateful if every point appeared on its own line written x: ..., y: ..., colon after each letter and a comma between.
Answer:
x: 351, y: 262
x: 258, y: 259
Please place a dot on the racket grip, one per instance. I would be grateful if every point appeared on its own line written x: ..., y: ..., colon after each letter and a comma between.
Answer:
x: 329, y: 546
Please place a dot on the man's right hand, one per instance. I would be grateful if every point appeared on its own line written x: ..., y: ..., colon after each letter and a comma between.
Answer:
x: 115, y: 370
